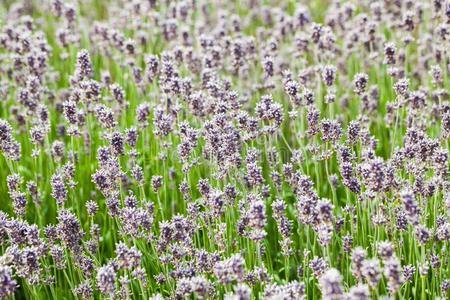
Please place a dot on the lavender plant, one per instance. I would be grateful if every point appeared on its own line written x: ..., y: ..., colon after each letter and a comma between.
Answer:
x: 224, y: 149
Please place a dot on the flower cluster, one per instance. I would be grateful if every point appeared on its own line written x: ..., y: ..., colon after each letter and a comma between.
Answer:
x: 222, y: 150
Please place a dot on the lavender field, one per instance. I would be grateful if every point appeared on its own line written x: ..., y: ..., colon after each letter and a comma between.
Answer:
x: 252, y: 149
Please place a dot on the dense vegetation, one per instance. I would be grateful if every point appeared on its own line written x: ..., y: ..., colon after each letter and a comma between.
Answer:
x: 224, y: 149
